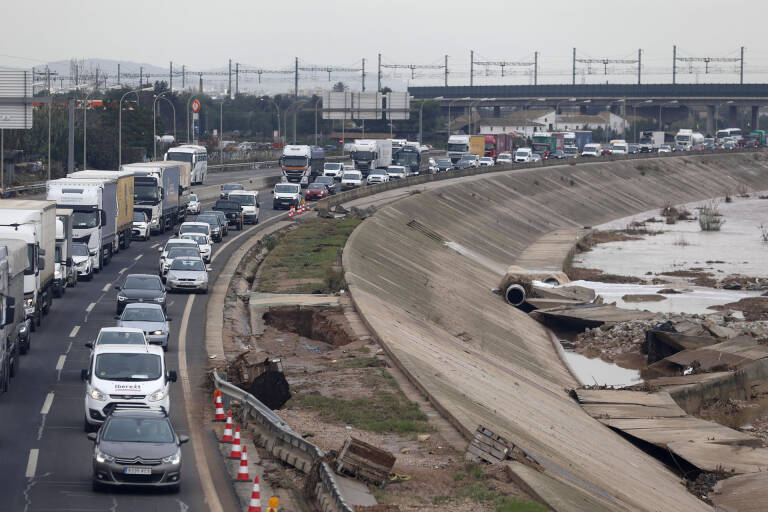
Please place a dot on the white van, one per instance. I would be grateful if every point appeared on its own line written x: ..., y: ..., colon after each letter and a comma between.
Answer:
x: 592, y: 150
x: 127, y: 376
x: 619, y: 148
x: 249, y: 204
x: 523, y: 155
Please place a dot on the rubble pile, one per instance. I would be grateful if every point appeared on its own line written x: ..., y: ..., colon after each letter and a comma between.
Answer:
x: 609, y: 342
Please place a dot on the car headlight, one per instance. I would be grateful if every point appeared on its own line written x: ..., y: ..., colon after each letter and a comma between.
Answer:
x: 156, y: 333
x: 120, y: 298
x: 173, y: 459
x: 156, y: 396
x: 160, y: 299
x: 102, y: 457
x: 96, y: 394
x: 29, y: 302
x: 93, y: 252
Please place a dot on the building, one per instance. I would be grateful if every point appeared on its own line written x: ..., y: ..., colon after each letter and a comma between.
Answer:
x: 521, y: 122
x: 605, y: 120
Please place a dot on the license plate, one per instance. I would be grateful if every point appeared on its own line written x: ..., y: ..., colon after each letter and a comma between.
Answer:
x: 137, y: 471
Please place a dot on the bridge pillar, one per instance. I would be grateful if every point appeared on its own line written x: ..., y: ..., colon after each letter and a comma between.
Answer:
x: 496, y: 111
x: 582, y: 109
x: 711, y: 113
x: 755, y: 117
x: 733, y: 117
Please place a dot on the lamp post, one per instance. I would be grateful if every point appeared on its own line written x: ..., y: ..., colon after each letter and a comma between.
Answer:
x: 557, y: 106
x: 154, y: 119
x: 295, y: 108
x: 316, y: 102
x: 471, y: 106
x: 85, y: 124
x: 120, y: 123
x: 277, y: 108
x: 173, y: 108
x: 467, y: 98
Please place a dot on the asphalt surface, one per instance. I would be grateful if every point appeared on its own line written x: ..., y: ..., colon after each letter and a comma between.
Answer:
x: 45, y: 456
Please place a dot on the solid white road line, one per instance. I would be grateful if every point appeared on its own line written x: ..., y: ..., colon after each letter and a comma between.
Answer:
x: 48, y: 401
x: 60, y: 363
x: 90, y: 307
x: 32, y: 463
x: 74, y: 331
x: 106, y: 287
x: 138, y: 257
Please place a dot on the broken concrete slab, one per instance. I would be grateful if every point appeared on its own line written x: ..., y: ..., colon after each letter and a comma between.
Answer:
x: 728, y: 355
x: 660, y: 343
x: 741, y: 493
x: 256, y: 299
x: 580, y: 317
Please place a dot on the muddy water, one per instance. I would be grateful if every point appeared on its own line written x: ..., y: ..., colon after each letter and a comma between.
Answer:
x: 736, y: 249
x: 591, y: 372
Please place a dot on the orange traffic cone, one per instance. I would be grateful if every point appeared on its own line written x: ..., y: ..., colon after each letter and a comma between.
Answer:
x: 226, y: 437
x: 242, y: 471
x: 235, y: 453
x: 255, y: 505
x: 220, y: 416
x: 291, y: 212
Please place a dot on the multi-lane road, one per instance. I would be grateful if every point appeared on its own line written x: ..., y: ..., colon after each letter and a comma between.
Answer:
x: 45, y: 456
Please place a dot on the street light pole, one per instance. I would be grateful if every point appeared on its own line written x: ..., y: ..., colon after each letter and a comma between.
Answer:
x: 316, y: 102
x: 85, y: 125
x: 173, y: 108
x: 154, y: 121
x: 221, y: 130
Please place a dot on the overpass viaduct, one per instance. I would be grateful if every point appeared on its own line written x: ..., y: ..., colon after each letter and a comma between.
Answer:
x: 637, y: 97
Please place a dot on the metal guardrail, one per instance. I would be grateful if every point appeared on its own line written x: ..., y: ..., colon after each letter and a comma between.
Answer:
x: 262, y: 164
x: 283, y: 437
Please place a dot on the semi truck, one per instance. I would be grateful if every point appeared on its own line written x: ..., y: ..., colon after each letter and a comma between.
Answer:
x: 409, y: 157
x: 64, y: 271
x: 14, y: 327
x: 497, y: 143
x: 124, y: 199
x: 686, y: 138
x: 460, y: 145
x: 372, y: 154
x: 156, y: 192
x: 651, y: 140
x: 296, y: 164
x: 317, y: 161
x: 546, y: 143
x: 34, y: 223
x: 755, y: 138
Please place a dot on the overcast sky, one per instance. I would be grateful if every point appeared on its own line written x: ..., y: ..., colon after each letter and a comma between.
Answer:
x: 204, y: 34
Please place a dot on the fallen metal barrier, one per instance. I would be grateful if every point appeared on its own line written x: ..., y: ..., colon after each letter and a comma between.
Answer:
x: 282, y: 442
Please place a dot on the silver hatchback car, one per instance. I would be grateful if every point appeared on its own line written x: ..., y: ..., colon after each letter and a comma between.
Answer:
x: 137, y: 447
x: 187, y: 274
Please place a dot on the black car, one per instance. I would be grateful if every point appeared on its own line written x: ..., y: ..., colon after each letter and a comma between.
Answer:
x: 557, y: 155
x: 233, y: 211
x: 137, y: 447
x: 330, y: 147
x: 329, y: 183
x: 217, y: 230
x: 140, y: 288
x: 229, y: 187
x: 444, y: 164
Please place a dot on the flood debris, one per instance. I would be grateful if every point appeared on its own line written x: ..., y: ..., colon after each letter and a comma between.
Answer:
x: 364, y: 461
x: 491, y: 448
x: 580, y: 317
x: 261, y: 376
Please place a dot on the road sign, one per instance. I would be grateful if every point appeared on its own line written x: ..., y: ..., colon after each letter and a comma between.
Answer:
x: 195, y: 106
x: 16, y: 89
x: 273, y: 502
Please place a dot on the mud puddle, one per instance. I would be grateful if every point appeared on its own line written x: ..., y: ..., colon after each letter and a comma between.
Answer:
x: 596, y: 372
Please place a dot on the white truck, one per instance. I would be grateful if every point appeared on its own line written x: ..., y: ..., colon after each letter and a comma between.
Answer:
x: 371, y: 154
x: 687, y: 138
x: 457, y: 147
x: 94, y: 210
x: 14, y: 328
x: 34, y: 223
x: 296, y: 164
x: 64, y: 272
x: 156, y: 192
x: 650, y: 141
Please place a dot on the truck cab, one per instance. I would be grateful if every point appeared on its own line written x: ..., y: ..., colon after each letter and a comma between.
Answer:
x: 409, y: 157
x: 296, y: 164
x: 458, y: 146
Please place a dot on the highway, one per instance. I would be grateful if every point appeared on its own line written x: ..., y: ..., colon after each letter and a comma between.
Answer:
x: 46, y: 455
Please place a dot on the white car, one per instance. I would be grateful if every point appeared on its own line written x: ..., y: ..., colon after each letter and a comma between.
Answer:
x: 81, y: 259
x: 188, y: 274
x: 593, y: 150
x: 351, y: 179
x: 487, y: 161
x: 665, y: 149
x: 125, y: 373
x: 119, y: 336
x: 523, y: 155
x: 203, y: 243
x: 432, y: 167
x: 504, y: 158
x: 195, y: 227
x: 333, y: 169
x: 194, y: 204
x: 285, y: 195
x: 535, y: 157
x: 173, y: 243
x: 140, y: 227
x: 377, y: 176
x: 249, y: 204
x: 396, y: 172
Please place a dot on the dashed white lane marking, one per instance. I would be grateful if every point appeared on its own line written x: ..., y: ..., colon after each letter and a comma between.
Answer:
x: 138, y: 257
x: 122, y: 270
x: 60, y: 363
x: 32, y: 463
x: 106, y: 287
x: 155, y: 246
x: 48, y: 402
x: 90, y: 307
x: 73, y: 333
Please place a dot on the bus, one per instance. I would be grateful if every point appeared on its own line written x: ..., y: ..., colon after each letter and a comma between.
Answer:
x: 728, y: 132
x: 196, y: 156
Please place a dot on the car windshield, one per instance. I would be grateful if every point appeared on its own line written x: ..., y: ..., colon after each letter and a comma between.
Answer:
x: 326, y: 180
x: 193, y: 228
x: 317, y: 186
x: 363, y: 155
x: 456, y: 147
x: 193, y: 197
x: 139, y: 217
x: 143, y: 314
x: 521, y: 153
x: 210, y: 218
x: 351, y: 176
x: 199, y: 239
x: 85, y: 220
x: 79, y: 250
x: 286, y: 189
x: 128, y: 367
x: 120, y: 338
x: 332, y: 167
x: 295, y: 161
x: 232, y: 186
x: 183, y: 251
x: 138, y: 430
x: 186, y: 264
x: 487, y: 159
x: 243, y: 199
x: 396, y: 169
x: 378, y: 171
x: 443, y: 162
x: 145, y: 191
x: 143, y: 283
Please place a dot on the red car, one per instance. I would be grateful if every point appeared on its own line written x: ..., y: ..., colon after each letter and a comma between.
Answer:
x: 316, y: 191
